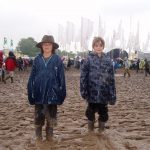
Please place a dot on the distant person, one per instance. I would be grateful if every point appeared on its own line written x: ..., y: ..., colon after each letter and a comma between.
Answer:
x: 1, y: 59
x: 46, y: 87
x: 82, y: 61
x: 30, y: 62
x: 77, y: 62
x: 126, y: 67
x: 97, y: 84
x: 142, y: 64
x: 26, y: 64
x: 10, y: 64
x: 114, y: 65
x: 20, y: 64
x: 2, y: 71
x: 147, y: 67
x: 69, y: 63
x: 137, y: 65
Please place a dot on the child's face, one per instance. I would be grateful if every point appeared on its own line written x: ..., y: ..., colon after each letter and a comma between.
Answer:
x: 98, y: 47
x: 47, y: 47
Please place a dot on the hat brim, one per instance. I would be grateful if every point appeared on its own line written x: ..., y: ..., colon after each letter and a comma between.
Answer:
x: 55, y: 45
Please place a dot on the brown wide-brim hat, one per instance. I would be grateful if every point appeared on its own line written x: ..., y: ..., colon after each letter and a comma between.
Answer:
x: 47, y: 39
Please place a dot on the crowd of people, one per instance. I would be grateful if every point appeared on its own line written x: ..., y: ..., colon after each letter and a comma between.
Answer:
x: 138, y: 65
x: 9, y: 65
x: 142, y: 65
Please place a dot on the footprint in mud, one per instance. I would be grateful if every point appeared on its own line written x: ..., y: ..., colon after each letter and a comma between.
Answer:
x: 130, y: 147
x: 46, y: 145
x: 104, y: 142
x: 97, y: 141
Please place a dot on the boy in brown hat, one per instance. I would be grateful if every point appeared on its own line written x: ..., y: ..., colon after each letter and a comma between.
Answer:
x: 97, y: 84
x: 46, y: 86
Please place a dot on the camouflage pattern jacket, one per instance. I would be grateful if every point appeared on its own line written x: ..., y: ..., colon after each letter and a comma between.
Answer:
x: 97, y: 82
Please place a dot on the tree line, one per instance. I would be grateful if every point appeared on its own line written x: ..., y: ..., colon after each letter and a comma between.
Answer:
x: 27, y: 46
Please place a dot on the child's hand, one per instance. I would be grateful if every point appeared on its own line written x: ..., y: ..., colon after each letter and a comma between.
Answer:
x: 84, y: 96
x: 111, y: 102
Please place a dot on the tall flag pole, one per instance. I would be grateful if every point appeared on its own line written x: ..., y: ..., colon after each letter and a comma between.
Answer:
x: 61, y: 38
x: 11, y: 44
x: 70, y: 33
x: 137, y: 40
x: 86, y: 32
x: 130, y: 44
x: 5, y: 42
x: 147, y: 43
x: 101, y: 28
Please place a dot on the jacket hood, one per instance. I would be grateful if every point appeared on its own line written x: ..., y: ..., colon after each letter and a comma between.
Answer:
x: 95, y: 54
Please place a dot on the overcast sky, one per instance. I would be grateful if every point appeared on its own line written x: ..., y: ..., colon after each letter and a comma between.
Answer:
x: 24, y: 18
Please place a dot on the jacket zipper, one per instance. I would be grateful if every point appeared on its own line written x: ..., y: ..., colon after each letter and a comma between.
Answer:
x: 45, y: 63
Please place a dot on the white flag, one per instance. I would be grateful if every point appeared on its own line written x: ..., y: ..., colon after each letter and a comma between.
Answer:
x: 86, y: 31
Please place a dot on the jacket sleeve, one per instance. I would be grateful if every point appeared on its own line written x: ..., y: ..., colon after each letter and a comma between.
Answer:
x: 31, y: 85
x: 61, y: 75
x: 84, y: 79
x: 112, y: 88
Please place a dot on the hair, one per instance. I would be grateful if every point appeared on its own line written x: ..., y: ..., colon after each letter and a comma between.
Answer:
x: 97, y: 40
x: 11, y: 54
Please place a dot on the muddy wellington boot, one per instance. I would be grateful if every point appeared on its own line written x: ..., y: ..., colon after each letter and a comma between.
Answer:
x: 6, y: 79
x: 3, y: 79
x: 38, y: 133
x: 90, y: 126
x: 101, y: 126
x: 49, y: 133
x: 12, y: 80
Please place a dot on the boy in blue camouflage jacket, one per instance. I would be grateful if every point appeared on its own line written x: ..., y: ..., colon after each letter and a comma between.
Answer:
x: 97, y: 84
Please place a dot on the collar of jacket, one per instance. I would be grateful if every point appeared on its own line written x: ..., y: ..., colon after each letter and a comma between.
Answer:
x: 95, y: 54
x: 42, y: 57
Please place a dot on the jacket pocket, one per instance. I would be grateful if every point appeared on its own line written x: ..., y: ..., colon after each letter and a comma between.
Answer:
x: 57, y: 93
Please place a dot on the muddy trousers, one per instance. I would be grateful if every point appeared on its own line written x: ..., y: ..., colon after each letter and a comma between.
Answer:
x: 45, y: 112
x: 101, y: 109
x: 126, y: 71
x: 42, y: 113
x: 147, y: 72
x: 103, y: 116
x: 2, y: 77
x: 11, y: 78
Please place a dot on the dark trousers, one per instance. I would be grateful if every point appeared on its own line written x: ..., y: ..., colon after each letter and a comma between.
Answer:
x: 147, y: 72
x: 2, y: 75
x: 48, y: 112
x: 101, y: 109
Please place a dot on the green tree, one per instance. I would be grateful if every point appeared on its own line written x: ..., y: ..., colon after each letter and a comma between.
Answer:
x: 83, y: 54
x: 65, y: 53
x: 28, y: 47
